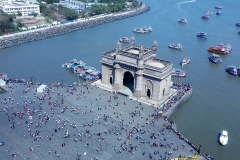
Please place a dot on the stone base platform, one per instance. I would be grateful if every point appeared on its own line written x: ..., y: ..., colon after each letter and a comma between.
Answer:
x: 127, y: 92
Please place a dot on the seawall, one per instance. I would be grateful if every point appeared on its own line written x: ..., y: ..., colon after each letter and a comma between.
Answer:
x: 42, y: 33
x: 178, y: 104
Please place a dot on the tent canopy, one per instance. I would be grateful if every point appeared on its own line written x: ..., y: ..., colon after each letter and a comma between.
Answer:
x: 41, y: 88
x: 2, y: 83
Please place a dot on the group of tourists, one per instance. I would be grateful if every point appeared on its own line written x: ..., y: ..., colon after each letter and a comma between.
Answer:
x: 84, y: 121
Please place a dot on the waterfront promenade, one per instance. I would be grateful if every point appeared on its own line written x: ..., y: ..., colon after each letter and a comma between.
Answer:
x: 50, y: 31
x: 83, y: 122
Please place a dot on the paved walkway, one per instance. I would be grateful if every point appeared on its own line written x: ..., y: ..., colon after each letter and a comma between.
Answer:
x: 84, y: 122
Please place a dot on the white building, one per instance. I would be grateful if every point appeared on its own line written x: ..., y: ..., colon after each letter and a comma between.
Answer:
x: 25, y: 8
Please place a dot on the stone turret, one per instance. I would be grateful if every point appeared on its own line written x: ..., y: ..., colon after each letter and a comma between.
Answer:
x: 154, y: 47
x: 132, y: 41
x: 141, y: 51
x: 118, y: 47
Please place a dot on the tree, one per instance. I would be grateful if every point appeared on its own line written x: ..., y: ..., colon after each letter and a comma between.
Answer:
x: 19, y: 24
x: 69, y: 14
x: 134, y: 3
x: 35, y: 14
x: 19, y: 14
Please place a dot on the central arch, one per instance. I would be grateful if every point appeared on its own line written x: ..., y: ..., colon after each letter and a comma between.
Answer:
x: 128, y: 80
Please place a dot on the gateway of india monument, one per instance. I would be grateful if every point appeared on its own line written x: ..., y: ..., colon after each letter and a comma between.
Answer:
x: 137, y: 70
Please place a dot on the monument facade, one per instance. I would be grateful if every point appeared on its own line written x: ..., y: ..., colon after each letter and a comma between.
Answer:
x: 137, y: 68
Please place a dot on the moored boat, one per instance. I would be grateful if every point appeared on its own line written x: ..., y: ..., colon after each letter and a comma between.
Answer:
x: 223, y: 138
x: 202, y: 35
x: 177, y: 46
x: 238, y: 32
x: 124, y: 39
x: 205, y: 17
x: 81, y: 70
x: 232, y: 70
x: 185, y: 61
x: 215, y: 58
x: 221, y: 49
x: 182, y: 20
x: 238, y: 24
x: 178, y: 73
x: 218, y: 7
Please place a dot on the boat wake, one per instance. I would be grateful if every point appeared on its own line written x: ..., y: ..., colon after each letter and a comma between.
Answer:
x: 180, y: 3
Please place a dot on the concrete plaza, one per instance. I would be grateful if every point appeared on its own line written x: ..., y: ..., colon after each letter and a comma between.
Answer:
x: 85, y: 122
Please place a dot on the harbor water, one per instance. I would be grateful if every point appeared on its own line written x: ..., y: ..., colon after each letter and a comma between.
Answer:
x: 215, y: 103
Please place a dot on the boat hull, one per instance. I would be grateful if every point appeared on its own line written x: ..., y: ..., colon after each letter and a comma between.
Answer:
x: 217, y: 51
x: 232, y: 73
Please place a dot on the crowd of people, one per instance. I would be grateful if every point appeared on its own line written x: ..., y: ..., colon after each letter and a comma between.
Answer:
x: 68, y: 122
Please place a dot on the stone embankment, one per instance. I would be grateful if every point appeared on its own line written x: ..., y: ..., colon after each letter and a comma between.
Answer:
x: 38, y: 34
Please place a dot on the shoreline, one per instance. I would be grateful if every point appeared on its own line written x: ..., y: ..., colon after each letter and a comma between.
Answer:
x: 42, y: 33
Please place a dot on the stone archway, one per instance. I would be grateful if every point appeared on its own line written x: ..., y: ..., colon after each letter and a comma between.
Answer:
x: 128, y: 80
x: 148, y: 89
x: 111, y: 80
x: 148, y: 93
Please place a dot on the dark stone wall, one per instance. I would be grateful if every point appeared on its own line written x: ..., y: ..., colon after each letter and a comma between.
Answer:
x: 38, y: 34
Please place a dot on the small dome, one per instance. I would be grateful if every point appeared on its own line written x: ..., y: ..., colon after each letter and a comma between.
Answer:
x: 155, y: 43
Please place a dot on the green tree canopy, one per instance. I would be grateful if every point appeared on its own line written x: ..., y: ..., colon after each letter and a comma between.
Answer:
x: 69, y: 14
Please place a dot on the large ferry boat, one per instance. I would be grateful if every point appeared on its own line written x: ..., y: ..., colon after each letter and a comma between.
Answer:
x: 221, y: 49
x: 177, y: 46
x: 178, y: 73
x: 147, y: 29
x: 232, y: 70
x: 215, y: 58
x: 223, y: 138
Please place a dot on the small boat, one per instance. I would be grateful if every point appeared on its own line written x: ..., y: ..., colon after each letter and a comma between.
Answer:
x: 177, y: 46
x: 202, y: 35
x: 185, y: 61
x: 218, y: 7
x: 232, y: 70
x: 238, y: 24
x: 209, y: 13
x: 223, y: 138
x: 218, y: 13
x: 238, y: 70
x: 205, y: 17
x: 238, y: 32
x: 221, y: 49
x: 124, y: 39
x: 215, y: 58
x: 182, y: 20
x: 178, y: 73
x: 138, y: 30
x: 143, y: 30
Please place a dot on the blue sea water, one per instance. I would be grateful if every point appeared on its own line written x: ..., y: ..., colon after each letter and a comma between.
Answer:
x: 215, y: 104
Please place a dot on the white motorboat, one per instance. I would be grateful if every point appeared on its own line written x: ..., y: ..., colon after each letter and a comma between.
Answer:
x: 223, y: 138
x: 182, y: 20
x: 185, y: 61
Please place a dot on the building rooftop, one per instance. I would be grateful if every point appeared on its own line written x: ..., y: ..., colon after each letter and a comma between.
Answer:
x: 155, y: 64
